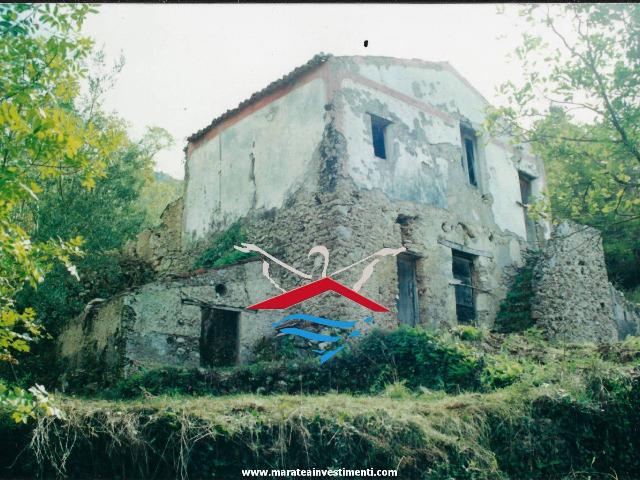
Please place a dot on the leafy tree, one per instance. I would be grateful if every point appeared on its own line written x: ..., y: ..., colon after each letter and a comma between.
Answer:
x: 579, y: 109
x: 106, y: 217
x: 157, y: 194
x: 43, y: 137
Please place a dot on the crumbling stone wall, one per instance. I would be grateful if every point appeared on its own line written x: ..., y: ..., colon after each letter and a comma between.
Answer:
x: 161, y: 246
x: 297, y: 168
x: 572, y: 299
x: 91, y: 347
x: 159, y: 324
x: 354, y: 215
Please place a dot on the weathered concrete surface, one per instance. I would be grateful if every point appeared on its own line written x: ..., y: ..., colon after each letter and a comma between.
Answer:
x: 572, y: 298
x: 254, y: 163
x: 426, y: 103
x: 334, y: 191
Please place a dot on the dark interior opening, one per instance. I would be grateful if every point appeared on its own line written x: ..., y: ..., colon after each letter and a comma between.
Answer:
x: 471, y: 161
x: 469, y: 153
x: 378, y: 133
x: 219, y: 337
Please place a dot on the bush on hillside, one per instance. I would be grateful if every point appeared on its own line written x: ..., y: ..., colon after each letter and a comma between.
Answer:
x: 415, y: 356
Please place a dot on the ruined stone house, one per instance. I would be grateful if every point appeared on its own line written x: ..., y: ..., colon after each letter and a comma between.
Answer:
x: 354, y: 153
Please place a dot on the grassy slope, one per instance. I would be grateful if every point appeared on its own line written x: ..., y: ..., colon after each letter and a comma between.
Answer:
x: 573, y: 412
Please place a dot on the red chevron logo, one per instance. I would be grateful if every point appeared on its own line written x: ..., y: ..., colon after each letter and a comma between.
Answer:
x: 305, y: 292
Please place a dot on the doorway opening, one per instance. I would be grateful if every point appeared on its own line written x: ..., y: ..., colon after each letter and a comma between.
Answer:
x: 219, y: 337
x: 408, y: 310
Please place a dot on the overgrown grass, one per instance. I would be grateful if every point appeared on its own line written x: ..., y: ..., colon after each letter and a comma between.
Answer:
x: 519, y: 433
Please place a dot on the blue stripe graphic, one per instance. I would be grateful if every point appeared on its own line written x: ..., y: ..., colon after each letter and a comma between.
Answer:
x: 325, y: 355
x: 330, y: 354
x: 318, y: 320
x: 310, y: 335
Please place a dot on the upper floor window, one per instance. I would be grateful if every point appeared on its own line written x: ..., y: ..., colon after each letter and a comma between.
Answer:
x: 379, y: 135
x: 526, y: 195
x: 469, y: 154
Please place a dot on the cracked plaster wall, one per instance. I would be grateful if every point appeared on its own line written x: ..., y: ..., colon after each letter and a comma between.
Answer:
x: 349, y: 200
x: 255, y: 163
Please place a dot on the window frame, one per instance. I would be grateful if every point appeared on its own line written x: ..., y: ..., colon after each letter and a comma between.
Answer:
x: 467, y: 133
x: 529, y: 224
x: 460, y: 256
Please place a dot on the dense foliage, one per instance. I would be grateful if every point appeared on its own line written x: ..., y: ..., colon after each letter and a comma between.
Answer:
x: 70, y: 182
x: 156, y: 195
x: 514, y: 314
x: 106, y: 217
x: 42, y: 136
x: 579, y: 108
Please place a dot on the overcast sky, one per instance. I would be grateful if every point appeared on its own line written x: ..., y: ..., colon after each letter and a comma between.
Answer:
x: 187, y: 64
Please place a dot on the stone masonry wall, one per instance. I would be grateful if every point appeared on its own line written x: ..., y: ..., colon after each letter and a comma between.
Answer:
x: 571, y: 295
x: 92, y: 345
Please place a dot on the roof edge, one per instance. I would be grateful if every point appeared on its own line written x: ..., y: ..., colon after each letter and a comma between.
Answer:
x: 315, y: 62
x: 312, y: 64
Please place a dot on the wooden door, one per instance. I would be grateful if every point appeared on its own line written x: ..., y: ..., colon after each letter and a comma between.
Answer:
x: 408, y: 290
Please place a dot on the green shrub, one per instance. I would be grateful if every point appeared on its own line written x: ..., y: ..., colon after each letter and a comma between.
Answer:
x: 397, y: 390
x: 273, y: 349
x: 560, y: 436
x: 411, y: 355
x: 501, y: 372
x: 221, y: 251
x: 633, y: 295
x: 469, y: 333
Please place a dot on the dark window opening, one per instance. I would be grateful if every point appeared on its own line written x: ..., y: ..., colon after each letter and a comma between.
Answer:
x: 408, y: 290
x: 462, y: 267
x: 219, y: 337
x: 379, y: 132
x: 469, y: 157
x: 526, y: 196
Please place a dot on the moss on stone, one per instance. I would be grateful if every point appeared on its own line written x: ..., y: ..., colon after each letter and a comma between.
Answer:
x: 221, y: 252
x: 515, y: 310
